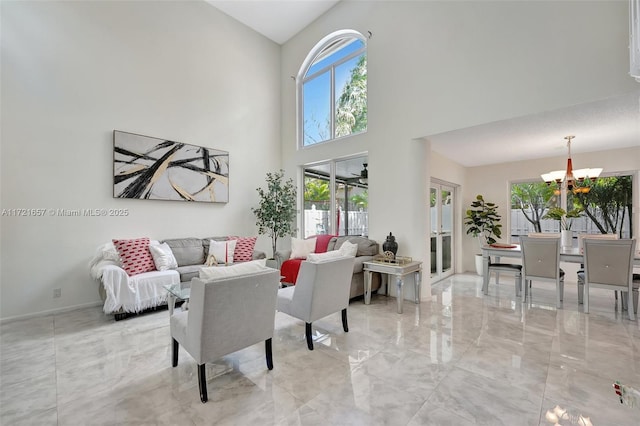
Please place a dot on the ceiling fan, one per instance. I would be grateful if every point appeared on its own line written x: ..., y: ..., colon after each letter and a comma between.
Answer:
x: 363, y: 177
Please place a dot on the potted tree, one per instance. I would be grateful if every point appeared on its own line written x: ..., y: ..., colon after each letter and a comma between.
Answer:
x: 565, y: 219
x: 276, y: 211
x: 483, y: 222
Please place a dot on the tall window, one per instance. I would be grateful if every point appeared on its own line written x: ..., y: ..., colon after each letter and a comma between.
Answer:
x: 332, y: 89
x: 336, y: 198
x: 604, y: 209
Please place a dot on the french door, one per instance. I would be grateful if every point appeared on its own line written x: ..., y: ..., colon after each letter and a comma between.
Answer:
x: 442, y: 208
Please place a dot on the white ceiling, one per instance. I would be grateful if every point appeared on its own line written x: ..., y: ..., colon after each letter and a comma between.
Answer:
x: 278, y: 20
x: 597, y: 126
x: 607, y: 124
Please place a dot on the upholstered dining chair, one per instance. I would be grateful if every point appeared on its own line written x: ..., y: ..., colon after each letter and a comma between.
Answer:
x: 510, y: 268
x: 322, y: 288
x: 541, y: 262
x: 581, y: 237
x: 608, y: 264
x: 224, y: 316
x: 636, y: 290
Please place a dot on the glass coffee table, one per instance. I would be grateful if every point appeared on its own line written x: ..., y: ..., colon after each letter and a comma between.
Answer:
x: 177, y: 292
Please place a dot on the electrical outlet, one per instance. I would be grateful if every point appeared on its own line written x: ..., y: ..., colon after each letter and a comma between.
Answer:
x: 57, y: 292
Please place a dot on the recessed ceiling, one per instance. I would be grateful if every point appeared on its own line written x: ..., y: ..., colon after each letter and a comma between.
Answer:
x: 611, y: 123
x: 276, y: 20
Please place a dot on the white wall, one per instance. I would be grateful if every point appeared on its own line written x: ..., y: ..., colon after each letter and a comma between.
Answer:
x: 440, y: 66
x: 72, y: 72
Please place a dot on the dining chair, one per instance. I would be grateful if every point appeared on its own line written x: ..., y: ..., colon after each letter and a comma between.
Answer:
x: 581, y: 237
x: 636, y: 289
x: 608, y: 264
x: 541, y: 262
x: 543, y: 235
x: 511, y: 268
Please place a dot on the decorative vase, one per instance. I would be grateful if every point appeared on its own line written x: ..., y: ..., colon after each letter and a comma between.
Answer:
x: 566, y: 238
x: 390, y: 245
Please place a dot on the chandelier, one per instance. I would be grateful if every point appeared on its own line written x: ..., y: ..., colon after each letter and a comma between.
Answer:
x: 573, y: 179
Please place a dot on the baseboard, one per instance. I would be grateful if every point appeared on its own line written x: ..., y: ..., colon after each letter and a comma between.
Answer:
x: 49, y: 312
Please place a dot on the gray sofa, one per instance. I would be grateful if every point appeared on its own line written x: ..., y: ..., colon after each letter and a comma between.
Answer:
x: 366, y: 250
x: 123, y: 294
x: 191, y: 254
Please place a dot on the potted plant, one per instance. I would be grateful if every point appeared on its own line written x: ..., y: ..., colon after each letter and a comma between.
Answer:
x: 565, y: 218
x: 483, y: 222
x: 276, y: 212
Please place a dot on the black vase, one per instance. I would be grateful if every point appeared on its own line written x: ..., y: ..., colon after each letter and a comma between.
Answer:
x: 390, y: 244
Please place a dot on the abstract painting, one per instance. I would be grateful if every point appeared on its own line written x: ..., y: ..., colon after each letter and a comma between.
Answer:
x: 149, y: 168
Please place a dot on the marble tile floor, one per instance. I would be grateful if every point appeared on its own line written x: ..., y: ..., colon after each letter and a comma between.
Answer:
x: 460, y: 359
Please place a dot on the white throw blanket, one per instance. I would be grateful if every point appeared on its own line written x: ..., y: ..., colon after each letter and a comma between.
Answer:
x: 131, y: 294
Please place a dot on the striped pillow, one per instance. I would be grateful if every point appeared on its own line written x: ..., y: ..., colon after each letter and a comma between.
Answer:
x: 244, y: 248
x: 135, y: 255
x: 222, y: 251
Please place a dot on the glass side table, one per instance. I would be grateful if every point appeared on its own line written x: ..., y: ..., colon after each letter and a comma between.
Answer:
x: 177, y: 292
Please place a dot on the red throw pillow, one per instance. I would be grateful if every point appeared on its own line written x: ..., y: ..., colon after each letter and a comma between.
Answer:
x: 135, y: 255
x: 322, y: 242
x: 244, y: 248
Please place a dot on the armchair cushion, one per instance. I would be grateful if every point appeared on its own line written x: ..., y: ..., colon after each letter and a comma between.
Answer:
x: 217, y: 272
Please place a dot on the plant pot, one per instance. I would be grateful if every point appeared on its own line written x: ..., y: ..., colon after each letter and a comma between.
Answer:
x: 479, y: 264
x: 566, y: 238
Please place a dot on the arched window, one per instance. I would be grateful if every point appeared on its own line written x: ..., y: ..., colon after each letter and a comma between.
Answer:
x: 332, y: 89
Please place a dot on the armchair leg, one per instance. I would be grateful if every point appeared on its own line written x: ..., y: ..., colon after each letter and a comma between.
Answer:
x: 309, y: 336
x: 174, y: 353
x: 269, y: 354
x: 345, y: 326
x: 202, y: 383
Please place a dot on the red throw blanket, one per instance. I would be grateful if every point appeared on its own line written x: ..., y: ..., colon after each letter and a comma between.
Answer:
x: 289, y: 269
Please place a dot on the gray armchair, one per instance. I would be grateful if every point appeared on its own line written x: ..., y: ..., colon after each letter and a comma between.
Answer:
x: 225, y: 316
x: 322, y: 288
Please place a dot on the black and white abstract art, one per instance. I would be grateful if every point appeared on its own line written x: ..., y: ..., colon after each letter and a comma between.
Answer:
x: 156, y: 169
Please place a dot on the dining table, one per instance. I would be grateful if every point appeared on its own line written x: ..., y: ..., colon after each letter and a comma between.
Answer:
x: 498, y: 250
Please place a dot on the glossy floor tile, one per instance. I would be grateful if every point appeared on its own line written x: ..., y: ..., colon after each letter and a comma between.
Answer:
x: 460, y: 359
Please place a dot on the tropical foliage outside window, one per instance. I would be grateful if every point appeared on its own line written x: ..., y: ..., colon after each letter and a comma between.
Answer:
x: 605, y: 208
x: 334, y: 90
x: 346, y: 213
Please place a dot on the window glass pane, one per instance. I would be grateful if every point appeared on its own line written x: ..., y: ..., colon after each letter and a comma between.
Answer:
x: 352, y: 198
x: 333, y: 91
x: 317, y: 109
x: 317, y: 203
x: 529, y: 203
x: 607, y: 206
x: 334, y: 53
x: 351, y: 96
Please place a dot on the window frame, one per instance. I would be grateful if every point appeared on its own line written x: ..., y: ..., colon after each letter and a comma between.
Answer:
x: 302, y: 78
